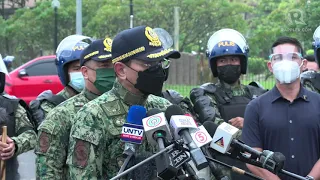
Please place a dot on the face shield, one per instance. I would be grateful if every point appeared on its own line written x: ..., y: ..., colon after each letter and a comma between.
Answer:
x: 3, y: 68
x: 167, y: 42
x: 3, y: 73
x: 227, y: 37
x: 165, y: 37
x: 286, y: 52
x: 67, y: 45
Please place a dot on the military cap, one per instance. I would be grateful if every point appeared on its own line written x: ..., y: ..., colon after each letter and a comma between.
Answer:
x: 99, y: 50
x: 140, y: 43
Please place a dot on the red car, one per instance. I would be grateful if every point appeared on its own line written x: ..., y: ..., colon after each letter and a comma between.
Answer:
x: 30, y: 79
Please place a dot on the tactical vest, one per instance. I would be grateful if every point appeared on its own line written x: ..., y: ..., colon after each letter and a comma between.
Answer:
x: 312, y: 77
x: 232, y: 106
x: 11, y: 105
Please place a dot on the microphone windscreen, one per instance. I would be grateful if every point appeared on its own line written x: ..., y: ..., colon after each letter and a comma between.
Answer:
x: 173, y: 110
x: 136, y: 114
x: 211, y: 127
x: 152, y: 112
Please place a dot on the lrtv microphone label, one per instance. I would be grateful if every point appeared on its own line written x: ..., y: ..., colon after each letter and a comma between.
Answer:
x: 132, y: 133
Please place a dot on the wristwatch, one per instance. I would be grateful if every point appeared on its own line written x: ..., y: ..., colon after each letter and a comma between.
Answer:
x: 309, y: 177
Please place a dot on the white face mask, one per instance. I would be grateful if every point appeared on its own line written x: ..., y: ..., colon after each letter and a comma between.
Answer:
x: 286, y: 71
x: 76, y: 81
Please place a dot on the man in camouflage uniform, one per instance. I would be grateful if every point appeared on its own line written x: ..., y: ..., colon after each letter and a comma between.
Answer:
x: 95, y: 149
x: 310, y: 79
x: 68, y: 66
x: 226, y: 100
x: 53, y: 136
x: 21, y: 136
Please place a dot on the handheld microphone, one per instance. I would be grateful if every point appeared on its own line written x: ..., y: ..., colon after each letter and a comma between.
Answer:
x: 224, y: 138
x: 132, y: 130
x: 181, y: 125
x: 156, y: 128
x: 157, y: 131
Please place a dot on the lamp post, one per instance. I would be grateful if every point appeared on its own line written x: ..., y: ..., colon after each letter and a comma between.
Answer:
x: 55, y: 4
x: 131, y: 14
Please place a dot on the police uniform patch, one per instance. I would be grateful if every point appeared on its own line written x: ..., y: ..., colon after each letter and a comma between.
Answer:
x: 81, y: 153
x: 107, y: 42
x: 153, y: 37
x: 44, y: 142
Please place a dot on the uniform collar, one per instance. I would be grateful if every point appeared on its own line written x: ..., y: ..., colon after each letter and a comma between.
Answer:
x: 236, y: 89
x: 89, y: 95
x: 64, y: 93
x: 128, y: 97
x: 303, y: 94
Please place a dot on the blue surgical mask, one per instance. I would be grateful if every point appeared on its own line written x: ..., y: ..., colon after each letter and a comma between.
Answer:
x: 76, y: 81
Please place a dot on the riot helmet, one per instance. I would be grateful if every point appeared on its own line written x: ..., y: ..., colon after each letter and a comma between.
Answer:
x: 69, y: 50
x: 227, y: 42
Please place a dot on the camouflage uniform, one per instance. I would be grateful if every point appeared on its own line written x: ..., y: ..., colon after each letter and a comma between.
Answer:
x: 47, y: 106
x: 53, y: 137
x: 95, y: 149
x: 26, y: 140
x: 238, y: 90
x: 310, y: 87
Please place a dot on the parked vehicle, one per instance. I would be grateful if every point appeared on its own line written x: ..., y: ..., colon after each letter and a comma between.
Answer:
x: 32, y: 78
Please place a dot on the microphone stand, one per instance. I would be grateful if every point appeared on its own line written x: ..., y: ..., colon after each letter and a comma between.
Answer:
x: 235, y: 169
x: 178, y: 142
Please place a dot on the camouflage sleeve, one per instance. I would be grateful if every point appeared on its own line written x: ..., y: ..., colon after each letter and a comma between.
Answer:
x: 51, y: 148
x: 46, y: 107
x: 308, y: 85
x: 86, y: 145
x: 26, y: 139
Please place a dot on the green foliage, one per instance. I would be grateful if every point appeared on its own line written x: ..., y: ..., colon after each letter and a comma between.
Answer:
x: 28, y: 31
x: 257, y: 65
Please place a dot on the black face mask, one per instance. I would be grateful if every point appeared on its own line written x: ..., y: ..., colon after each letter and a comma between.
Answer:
x: 150, y: 81
x: 2, y: 81
x: 229, y: 73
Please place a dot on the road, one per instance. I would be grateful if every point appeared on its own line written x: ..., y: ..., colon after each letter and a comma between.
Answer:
x: 27, y: 166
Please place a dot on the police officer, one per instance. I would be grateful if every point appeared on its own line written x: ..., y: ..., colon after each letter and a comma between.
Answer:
x: 21, y: 138
x: 226, y: 100
x: 95, y: 149
x: 67, y: 62
x: 311, y: 79
x: 97, y: 69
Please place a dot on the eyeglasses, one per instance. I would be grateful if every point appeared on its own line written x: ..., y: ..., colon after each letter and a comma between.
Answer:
x: 164, y: 63
x: 294, y: 56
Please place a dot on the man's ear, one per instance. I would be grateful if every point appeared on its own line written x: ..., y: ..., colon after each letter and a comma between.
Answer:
x: 120, y: 70
x: 84, y: 72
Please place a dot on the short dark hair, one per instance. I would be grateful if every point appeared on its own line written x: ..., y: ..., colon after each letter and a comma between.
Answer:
x: 288, y: 40
x: 310, y: 58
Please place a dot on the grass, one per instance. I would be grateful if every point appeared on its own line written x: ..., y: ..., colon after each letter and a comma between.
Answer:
x: 184, y: 90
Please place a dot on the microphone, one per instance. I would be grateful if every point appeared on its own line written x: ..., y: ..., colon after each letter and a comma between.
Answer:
x: 180, y: 125
x: 158, y: 132
x: 132, y: 130
x: 224, y: 138
x: 156, y: 128
x: 201, y: 137
x: 132, y: 133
